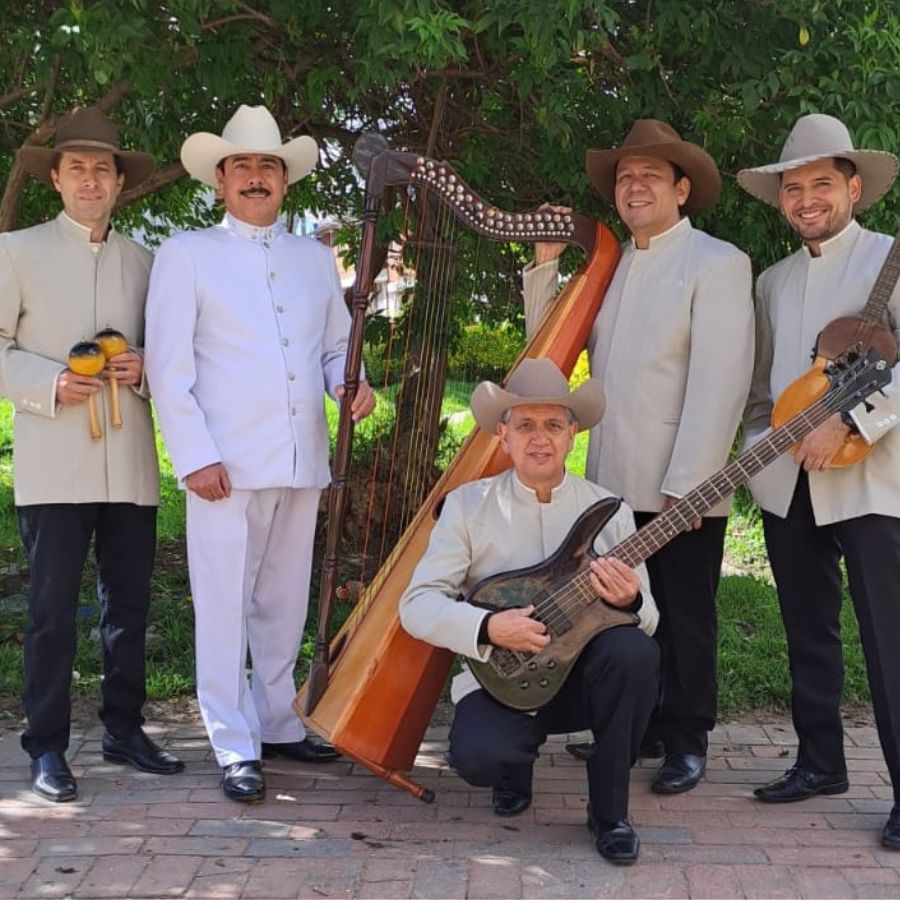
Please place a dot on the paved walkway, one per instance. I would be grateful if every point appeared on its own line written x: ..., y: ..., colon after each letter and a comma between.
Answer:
x: 336, y: 831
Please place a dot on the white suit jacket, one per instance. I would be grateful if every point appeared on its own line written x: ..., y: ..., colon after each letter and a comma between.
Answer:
x: 795, y: 299
x: 673, y: 347
x: 495, y: 525
x: 246, y: 329
x: 56, y: 289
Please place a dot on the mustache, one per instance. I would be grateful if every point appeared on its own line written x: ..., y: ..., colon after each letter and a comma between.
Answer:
x: 255, y: 192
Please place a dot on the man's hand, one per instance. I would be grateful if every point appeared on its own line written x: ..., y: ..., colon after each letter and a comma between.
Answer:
x: 210, y: 482
x: 126, y: 368
x: 514, y: 629
x: 693, y: 525
x: 818, y: 448
x: 72, y: 388
x: 363, y: 402
x: 549, y: 250
x: 614, y: 582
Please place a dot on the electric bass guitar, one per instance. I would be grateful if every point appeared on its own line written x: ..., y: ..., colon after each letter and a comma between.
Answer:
x: 559, y: 588
x: 847, y: 334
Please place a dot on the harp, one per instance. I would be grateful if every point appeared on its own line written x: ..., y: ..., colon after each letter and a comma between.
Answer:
x: 372, y: 688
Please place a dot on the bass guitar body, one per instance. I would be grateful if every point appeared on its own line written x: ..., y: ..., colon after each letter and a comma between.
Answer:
x: 526, y: 681
x: 850, y: 332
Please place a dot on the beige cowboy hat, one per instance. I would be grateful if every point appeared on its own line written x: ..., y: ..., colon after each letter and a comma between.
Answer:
x: 813, y: 138
x: 251, y: 130
x: 86, y: 130
x: 537, y: 382
x: 650, y: 137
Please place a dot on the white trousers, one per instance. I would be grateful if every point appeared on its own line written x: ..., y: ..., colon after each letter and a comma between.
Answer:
x: 249, y: 557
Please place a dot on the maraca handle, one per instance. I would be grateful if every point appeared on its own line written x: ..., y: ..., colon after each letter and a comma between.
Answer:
x: 94, y: 419
x: 114, y: 398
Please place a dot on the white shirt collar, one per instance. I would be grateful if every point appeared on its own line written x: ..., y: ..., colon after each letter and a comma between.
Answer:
x: 837, y: 243
x: 77, y: 230
x: 530, y: 493
x: 257, y: 233
x: 670, y: 235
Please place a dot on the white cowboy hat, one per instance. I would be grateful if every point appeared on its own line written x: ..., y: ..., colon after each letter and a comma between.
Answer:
x: 537, y: 382
x: 252, y: 129
x: 816, y: 137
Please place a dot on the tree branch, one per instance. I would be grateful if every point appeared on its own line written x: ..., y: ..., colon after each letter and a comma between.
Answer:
x: 14, y: 96
x: 158, y: 179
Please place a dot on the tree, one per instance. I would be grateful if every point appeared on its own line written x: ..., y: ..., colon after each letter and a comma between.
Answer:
x: 513, y: 91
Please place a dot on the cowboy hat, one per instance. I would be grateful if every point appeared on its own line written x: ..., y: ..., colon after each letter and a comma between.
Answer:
x: 816, y: 137
x: 537, y: 382
x: 650, y: 137
x: 86, y: 130
x: 251, y: 130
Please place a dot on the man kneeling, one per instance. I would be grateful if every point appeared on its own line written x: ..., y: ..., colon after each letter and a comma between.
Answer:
x: 517, y: 519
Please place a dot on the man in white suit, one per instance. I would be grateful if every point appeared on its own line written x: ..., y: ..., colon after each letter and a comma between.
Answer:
x: 814, y: 515
x: 246, y: 330
x: 518, y: 519
x: 61, y: 282
x: 673, y: 347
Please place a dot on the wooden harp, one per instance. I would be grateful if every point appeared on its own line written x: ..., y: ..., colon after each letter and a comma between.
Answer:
x: 372, y: 688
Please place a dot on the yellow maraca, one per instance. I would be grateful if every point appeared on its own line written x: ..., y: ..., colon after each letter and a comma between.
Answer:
x: 87, y: 358
x: 112, y: 343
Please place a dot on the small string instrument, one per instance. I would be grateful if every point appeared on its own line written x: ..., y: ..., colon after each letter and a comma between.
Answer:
x: 560, y: 589
x: 847, y: 334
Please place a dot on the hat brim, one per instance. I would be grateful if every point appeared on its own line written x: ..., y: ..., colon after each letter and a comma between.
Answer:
x: 136, y: 166
x: 489, y: 402
x: 693, y: 160
x: 876, y: 168
x: 202, y: 152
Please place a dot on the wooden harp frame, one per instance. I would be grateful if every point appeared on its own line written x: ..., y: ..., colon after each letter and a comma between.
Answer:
x: 373, y: 688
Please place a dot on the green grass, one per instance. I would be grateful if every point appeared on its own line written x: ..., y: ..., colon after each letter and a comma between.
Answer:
x: 752, y: 652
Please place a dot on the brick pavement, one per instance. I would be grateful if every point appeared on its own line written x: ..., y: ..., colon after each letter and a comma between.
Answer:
x: 336, y: 831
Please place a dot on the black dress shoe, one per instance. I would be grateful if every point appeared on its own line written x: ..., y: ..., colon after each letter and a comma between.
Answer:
x: 679, y: 773
x: 890, y: 837
x: 51, y: 777
x: 139, y: 751
x: 243, y: 781
x: 301, y: 751
x: 509, y: 803
x: 583, y: 750
x: 615, y: 841
x: 799, y: 784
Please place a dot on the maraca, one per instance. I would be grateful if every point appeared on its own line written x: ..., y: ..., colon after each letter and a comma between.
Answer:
x: 112, y: 343
x: 87, y: 358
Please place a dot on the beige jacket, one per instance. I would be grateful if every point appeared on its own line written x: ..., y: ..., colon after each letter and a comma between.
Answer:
x: 795, y: 299
x: 673, y: 348
x: 497, y: 525
x: 56, y: 288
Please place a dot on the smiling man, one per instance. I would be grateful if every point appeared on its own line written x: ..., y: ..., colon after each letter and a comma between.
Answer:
x: 61, y: 282
x: 518, y: 519
x: 814, y: 516
x: 673, y: 346
x: 246, y: 331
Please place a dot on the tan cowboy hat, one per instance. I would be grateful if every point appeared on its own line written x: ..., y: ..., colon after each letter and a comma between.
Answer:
x: 252, y: 129
x: 816, y: 137
x: 537, y: 382
x: 650, y: 137
x: 87, y: 131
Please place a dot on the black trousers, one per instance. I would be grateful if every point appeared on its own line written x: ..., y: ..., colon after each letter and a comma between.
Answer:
x: 612, y: 690
x: 684, y: 578
x: 56, y: 538
x: 805, y: 562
